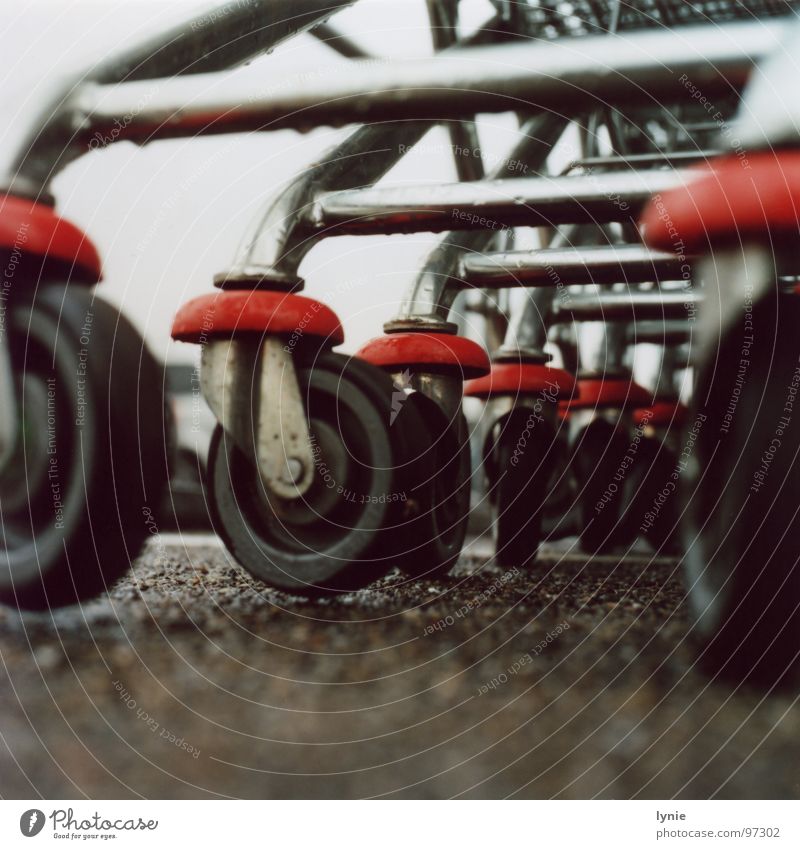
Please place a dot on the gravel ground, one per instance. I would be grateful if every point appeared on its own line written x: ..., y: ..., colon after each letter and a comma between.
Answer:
x: 571, y: 680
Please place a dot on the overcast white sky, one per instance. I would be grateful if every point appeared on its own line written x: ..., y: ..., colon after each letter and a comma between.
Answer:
x: 166, y: 217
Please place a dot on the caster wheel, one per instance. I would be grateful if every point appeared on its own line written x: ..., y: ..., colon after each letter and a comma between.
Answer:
x: 89, y: 462
x: 741, y: 522
x: 521, y: 474
x: 653, y: 507
x: 561, y: 508
x: 345, y: 531
x: 441, y: 468
x: 599, y: 453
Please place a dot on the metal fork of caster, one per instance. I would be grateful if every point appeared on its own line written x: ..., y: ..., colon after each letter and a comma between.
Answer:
x: 428, y: 371
x: 520, y: 450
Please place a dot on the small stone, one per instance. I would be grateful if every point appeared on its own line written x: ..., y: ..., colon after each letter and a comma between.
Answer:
x: 121, y: 656
x: 47, y: 658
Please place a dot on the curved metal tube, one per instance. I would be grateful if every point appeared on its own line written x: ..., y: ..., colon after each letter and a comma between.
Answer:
x: 279, y: 237
x: 222, y: 36
x: 432, y: 293
x: 644, y: 67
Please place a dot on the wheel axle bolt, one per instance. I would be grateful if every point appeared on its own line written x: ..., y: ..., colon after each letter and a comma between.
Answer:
x: 293, y: 471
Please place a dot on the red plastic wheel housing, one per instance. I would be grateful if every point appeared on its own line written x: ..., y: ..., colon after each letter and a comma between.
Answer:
x: 595, y: 393
x: 229, y: 313
x: 729, y: 201
x: 517, y: 378
x: 437, y: 353
x: 661, y: 414
x: 34, y: 229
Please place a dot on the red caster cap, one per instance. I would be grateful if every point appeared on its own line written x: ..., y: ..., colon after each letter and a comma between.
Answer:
x: 427, y: 352
x: 516, y: 378
x: 596, y: 393
x: 33, y: 228
x: 228, y: 313
x: 728, y: 202
x: 661, y: 414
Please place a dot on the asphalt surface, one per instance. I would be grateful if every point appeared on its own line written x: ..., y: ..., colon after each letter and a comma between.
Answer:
x: 574, y: 679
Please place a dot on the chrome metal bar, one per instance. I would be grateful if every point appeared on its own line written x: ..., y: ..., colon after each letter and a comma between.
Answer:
x: 221, y: 37
x: 466, y: 150
x: 572, y: 266
x: 342, y: 44
x: 526, y: 333
x: 568, y: 75
x: 527, y: 330
x: 642, y: 160
x: 443, y: 19
x: 491, y: 204
x: 627, y: 306
x: 667, y: 332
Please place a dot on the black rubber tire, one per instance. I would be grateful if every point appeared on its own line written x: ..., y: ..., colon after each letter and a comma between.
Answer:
x: 652, y: 505
x: 523, y: 471
x: 562, y: 508
x: 68, y: 536
x: 742, y: 561
x: 441, y: 486
x: 336, y: 538
x: 598, y: 455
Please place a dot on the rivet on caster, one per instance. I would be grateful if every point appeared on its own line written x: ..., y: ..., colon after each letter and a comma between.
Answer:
x: 81, y: 419
x: 428, y: 371
x: 519, y: 448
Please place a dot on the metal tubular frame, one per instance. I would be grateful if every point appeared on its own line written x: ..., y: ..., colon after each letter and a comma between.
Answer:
x: 497, y: 78
x: 173, y: 85
x: 571, y: 266
x: 214, y: 41
x: 670, y: 332
x: 279, y: 237
x: 641, y: 160
x: 180, y: 84
x: 443, y: 17
x: 493, y: 204
x: 626, y: 306
x: 339, y: 42
x: 428, y: 301
x: 526, y: 335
